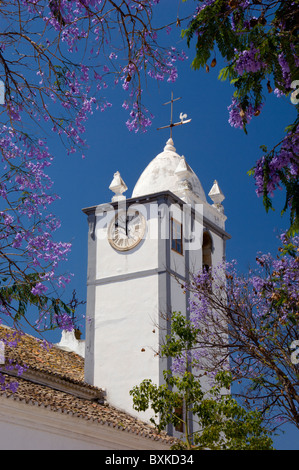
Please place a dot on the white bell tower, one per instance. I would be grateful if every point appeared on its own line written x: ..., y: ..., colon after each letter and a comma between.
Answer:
x: 138, y: 250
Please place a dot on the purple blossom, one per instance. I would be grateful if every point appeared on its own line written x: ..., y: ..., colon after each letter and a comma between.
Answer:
x: 249, y: 61
x: 239, y: 117
x: 286, y: 76
x: 204, y: 4
x: 268, y: 172
x: 39, y: 289
x: 13, y: 386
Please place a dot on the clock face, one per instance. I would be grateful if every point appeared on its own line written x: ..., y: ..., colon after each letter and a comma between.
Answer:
x: 126, y: 230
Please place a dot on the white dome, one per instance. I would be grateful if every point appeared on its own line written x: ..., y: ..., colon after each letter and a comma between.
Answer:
x: 160, y: 175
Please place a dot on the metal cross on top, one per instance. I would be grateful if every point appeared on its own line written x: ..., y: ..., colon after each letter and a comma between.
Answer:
x: 182, y: 116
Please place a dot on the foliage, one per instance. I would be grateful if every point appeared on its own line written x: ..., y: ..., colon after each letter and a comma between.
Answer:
x: 222, y: 423
x: 53, y: 311
x: 259, y: 41
x: 57, y: 59
x: 252, y: 322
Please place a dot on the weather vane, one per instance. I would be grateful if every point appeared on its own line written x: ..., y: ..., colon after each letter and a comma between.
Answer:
x: 182, y: 116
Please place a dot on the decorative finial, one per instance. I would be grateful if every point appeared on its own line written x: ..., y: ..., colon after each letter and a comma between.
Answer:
x: 169, y: 146
x: 118, y: 186
x: 217, y: 196
x: 182, y: 116
x: 183, y: 170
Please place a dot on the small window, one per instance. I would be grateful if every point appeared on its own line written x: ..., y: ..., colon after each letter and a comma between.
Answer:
x: 176, y: 236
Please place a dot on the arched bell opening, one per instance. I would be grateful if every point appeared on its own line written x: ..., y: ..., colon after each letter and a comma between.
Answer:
x: 207, y: 248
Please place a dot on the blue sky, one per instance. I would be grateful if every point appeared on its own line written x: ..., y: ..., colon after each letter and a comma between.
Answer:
x: 211, y: 146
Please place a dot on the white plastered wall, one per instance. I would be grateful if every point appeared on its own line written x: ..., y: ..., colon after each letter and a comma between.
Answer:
x: 126, y: 338
x: 30, y: 427
x: 127, y: 304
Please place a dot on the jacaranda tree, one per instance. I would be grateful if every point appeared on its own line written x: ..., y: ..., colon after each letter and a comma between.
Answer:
x: 258, y: 39
x: 250, y: 322
x: 57, y: 58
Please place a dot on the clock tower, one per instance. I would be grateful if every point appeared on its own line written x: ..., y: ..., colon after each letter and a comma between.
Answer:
x: 141, y: 250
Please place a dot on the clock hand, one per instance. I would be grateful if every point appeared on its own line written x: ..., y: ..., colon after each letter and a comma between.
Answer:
x: 129, y: 220
x: 119, y: 225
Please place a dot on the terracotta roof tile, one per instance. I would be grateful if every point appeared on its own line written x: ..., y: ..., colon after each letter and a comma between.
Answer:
x: 39, y: 355
x: 68, y: 366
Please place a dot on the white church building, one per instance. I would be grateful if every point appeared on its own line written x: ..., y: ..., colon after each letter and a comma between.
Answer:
x: 141, y: 250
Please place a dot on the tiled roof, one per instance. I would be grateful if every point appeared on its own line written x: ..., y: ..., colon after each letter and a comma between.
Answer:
x: 39, y: 355
x: 55, y: 363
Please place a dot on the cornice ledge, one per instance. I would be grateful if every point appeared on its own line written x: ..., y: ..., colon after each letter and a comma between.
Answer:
x: 84, y: 391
